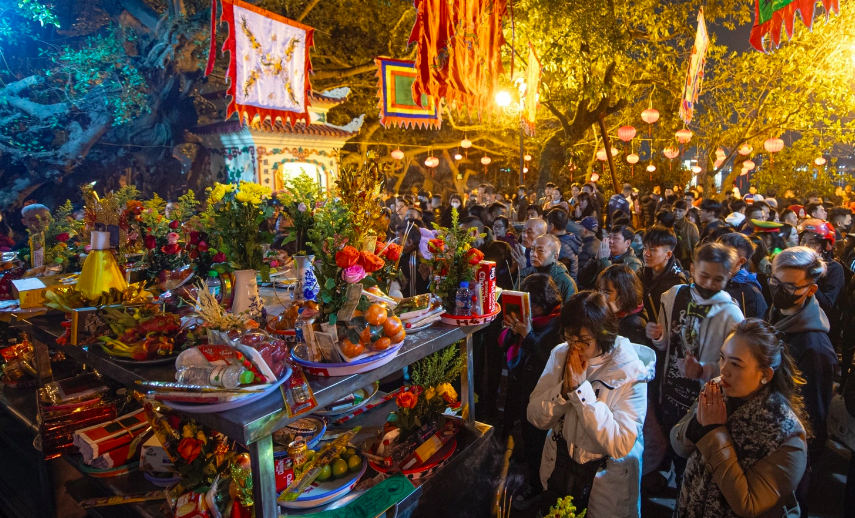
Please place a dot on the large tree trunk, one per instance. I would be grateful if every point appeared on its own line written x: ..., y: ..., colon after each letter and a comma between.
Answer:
x: 552, y: 160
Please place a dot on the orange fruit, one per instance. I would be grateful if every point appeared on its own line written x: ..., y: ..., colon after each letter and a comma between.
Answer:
x: 365, y: 335
x: 350, y: 349
x: 382, y: 344
x: 375, y: 315
x: 357, y: 313
x: 392, y: 325
x: 399, y: 336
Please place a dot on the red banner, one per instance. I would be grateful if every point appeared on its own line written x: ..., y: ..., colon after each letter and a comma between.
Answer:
x: 459, y: 44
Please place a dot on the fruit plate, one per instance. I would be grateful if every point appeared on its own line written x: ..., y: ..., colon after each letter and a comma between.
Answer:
x: 163, y: 360
x: 367, y: 393
x: 472, y: 320
x: 320, y: 493
x: 161, y: 481
x: 368, y: 363
x: 429, y: 467
x: 112, y: 472
x: 207, y: 408
x: 311, y: 428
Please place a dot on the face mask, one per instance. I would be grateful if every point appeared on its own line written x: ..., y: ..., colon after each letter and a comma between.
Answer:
x: 705, y: 293
x: 638, y: 249
x: 455, y: 204
x: 782, y: 299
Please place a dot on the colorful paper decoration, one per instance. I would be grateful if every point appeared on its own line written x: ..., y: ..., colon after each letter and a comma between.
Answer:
x: 771, y: 15
x: 692, y: 86
x: 532, y: 91
x: 459, y: 56
x: 397, y: 106
x: 269, y: 63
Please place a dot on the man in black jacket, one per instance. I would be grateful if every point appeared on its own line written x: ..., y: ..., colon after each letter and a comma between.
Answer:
x: 661, y: 271
x: 743, y: 285
x: 710, y: 210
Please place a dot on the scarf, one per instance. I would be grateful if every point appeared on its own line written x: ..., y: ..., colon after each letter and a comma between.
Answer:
x: 621, y: 314
x: 757, y: 429
x: 537, y: 324
x: 743, y: 276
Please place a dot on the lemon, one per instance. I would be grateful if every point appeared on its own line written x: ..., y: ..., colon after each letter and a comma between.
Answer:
x: 348, y: 453
x: 325, y: 474
x: 310, y: 455
x: 339, y: 468
x: 354, y: 463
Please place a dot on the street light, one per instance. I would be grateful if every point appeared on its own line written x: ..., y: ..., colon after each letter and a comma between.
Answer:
x: 503, y: 99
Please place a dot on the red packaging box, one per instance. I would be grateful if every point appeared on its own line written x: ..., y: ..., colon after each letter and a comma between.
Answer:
x: 485, y: 276
x: 283, y: 467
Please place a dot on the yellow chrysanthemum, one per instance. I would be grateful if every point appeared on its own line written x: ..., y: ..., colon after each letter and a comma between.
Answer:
x: 447, y: 392
x: 430, y: 393
x: 243, y: 197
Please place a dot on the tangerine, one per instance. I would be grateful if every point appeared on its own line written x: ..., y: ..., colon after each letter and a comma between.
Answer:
x: 357, y: 313
x: 399, y: 336
x: 375, y: 315
x: 382, y: 344
x: 365, y: 335
x: 392, y: 325
x: 350, y: 349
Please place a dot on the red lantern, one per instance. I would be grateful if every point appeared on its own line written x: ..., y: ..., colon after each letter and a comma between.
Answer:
x: 671, y: 152
x: 486, y: 160
x: 650, y: 116
x: 820, y: 161
x: 684, y: 136
x: 745, y: 149
x: 601, y: 155
x: 719, y: 153
x: 527, y: 158
x: 748, y: 165
x: 718, y: 163
x: 595, y: 177
x: 632, y: 159
x: 626, y: 133
x: 773, y: 145
x: 397, y: 154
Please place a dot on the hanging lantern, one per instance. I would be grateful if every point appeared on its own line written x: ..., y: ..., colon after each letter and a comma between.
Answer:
x: 632, y: 159
x: 650, y: 116
x: 432, y: 161
x: 719, y: 153
x: 626, y: 133
x: 595, y: 177
x: 820, y: 161
x: 684, y: 136
x: 458, y: 156
x: 696, y: 169
x: 651, y: 168
x: 743, y: 172
x: 601, y: 155
x: 671, y: 152
x: 718, y: 163
x: 486, y: 160
x: 748, y: 165
x: 527, y: 158
x: 745, y: 149
x: 525, y: 170
x: 466, y: 143
x: 397, y: 154
x: 773, y: 145
x: 615, y: 151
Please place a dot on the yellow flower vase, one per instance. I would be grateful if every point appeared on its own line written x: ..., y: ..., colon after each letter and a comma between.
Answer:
x: 100, y: 271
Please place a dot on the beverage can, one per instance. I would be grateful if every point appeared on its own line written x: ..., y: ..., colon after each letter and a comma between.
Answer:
x: 283, y: 467
x: 485, y: 277
x: 298, y: 451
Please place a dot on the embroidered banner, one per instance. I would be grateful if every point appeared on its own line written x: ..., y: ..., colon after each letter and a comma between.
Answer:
x: 269, y: 63
x: 458, y: 55
x: 397, y: 106
x: 692, y: 86
x: 771, y: 15
x: 532, y: 91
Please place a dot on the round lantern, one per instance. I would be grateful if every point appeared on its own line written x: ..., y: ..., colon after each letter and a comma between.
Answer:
x: 432, y: 161
x: 773, y: 145
x: 748, y: 165
x: 486, y: 160
x: 718, y: 163
x: 743, y: 172
x: 525, y: 170
x: 696, y: 169
x: 595, y: 177
x: 684, y: 136
x: 397, y: 154
x: 671, y: 152
x: 651, y: 168
x: 466, y: 143
x: 615, y: 151
x: 458, y: 156
x: 527, y: 158
x: 820, y: 161
x: 632, y: 159
x: 601, y: 155
x: 650, y: 116
x: 719, y: 153
x: 745, y: 149
x: 626, y: 133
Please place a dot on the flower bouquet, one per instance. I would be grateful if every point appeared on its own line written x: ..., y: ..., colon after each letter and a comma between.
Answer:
x: 62, y: 250
x: 452, y: 260
x: 301, y: 196
x: 164, y: 256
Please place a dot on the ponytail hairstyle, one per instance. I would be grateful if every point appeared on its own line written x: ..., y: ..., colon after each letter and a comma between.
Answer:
x: 772, y: 352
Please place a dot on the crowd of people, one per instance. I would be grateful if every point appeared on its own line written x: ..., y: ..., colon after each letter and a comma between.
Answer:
x: 673, y: 337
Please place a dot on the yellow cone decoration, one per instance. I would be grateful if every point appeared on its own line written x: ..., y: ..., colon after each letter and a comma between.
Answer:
x: 100, y: 271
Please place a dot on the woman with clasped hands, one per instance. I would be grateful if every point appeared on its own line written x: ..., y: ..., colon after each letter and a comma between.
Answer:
x: 744, y: 436
x: 592, y: 397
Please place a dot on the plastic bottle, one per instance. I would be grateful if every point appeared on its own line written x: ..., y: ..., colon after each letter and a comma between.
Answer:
x: 215, y: 285
x: 463, y: 300
x: 226, y: 376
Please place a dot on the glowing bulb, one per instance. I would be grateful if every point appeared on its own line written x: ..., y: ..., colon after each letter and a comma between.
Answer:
x: 458, y: 156
x: 397, y: 154
x: 503, y: 99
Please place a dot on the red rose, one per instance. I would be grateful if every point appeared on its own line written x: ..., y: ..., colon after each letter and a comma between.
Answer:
x: 195, y: 237
x: 174, y: 224
x: 436, y: 246
x: 347, y: 257
x: 392, y: 252
x: 150, y: 242
x: 174, y: 421
x: 189, y: 448
x: 171, y: 249
x: 62, y: 238
x: 474, y: 256
x: 407, y: 399
x: 219, y: 257
x: 370, y: 262
x: 203, y: 246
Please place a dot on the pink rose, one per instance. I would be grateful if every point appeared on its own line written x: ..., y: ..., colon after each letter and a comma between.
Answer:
x: 219, y: 257
x: 172, y: 238
x: 274, y: 264
x: 353, y: 274
x: 203, y: 246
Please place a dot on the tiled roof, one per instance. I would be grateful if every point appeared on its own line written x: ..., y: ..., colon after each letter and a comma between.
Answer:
x: 233, y: 126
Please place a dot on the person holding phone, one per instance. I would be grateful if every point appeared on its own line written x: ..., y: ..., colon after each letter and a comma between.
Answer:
x: 592, y: 397
x: 745, y: 436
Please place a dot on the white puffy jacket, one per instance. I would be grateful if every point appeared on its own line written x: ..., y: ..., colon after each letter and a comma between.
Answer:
x: 599, y: 421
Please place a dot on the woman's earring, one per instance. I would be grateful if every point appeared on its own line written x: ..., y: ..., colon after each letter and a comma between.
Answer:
x: 763, y: 381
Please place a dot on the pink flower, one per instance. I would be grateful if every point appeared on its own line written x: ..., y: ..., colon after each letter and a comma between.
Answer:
x: 62, y: 238
x: 133, y: 236
x: 203, y: 246
x: 219, y: 257
x: 301, y: 207
x: 87, y: 248
x: 353, y: 274
x: 274, y: 264
x: 172, y: 238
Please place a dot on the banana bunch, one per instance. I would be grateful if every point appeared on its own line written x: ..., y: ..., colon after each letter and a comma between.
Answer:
x: 116, y: 348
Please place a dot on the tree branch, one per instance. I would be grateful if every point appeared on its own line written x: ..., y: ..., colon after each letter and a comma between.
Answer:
x: 142, y: 12
x: 306, y: 10
x: 344, y: 72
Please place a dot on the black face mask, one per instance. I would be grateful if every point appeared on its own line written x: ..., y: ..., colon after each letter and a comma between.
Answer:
x: 705, y: 293
x: 781, y: 299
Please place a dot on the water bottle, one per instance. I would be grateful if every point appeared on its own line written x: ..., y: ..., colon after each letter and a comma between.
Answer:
x: 215, y: 285
x: 226, y: 376
x: 463, y: 300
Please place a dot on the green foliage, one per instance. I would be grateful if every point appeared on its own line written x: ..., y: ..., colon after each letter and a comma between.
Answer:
x: 443, y: 366
x: 17, y: 17
x: 299, y: 198
x: 564, y: 508
x: 331, y: 232
x: 185, y: 207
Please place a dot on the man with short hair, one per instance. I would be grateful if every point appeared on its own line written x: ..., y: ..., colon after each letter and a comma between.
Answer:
x: 752, y: 212
x: 689, y: 197
x: 494, y: 210
x: 813, y: 197
x: 547, y: 194
x: 816, y: 210
x: 544, y: 259
x: 710, y: 210
x: 614, y: 249
x: 489, y: 195
x: 619, y: 202
x: 590, y: 243
x: 521, y: 204
x: 818, y: 235
x: 661, y: 271
x: 686, y: 231
x: 743, y: 285
x: 414, y: 214
x: 556, y: 221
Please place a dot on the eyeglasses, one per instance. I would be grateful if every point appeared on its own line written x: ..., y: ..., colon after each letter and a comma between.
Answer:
x: 789, y: 289
x: 576, y: 343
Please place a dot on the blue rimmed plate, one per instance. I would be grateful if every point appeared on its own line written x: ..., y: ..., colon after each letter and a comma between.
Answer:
x: 321, y: 493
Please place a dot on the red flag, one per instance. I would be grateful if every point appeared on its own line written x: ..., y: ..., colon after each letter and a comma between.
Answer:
x: 459, y: 50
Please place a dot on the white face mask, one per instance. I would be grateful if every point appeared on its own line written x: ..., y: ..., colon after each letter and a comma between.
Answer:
x: 455, y: 204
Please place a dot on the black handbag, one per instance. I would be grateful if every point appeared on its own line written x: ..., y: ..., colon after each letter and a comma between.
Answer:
x: 571, y: 478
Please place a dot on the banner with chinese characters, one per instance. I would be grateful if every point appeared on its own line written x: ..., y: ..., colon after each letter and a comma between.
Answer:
x: 459, y: 44
x: 532, y: 91
x: 771, y: 15
x: 397, y: 106
x: 269, y: 63
x: 695, y: 77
